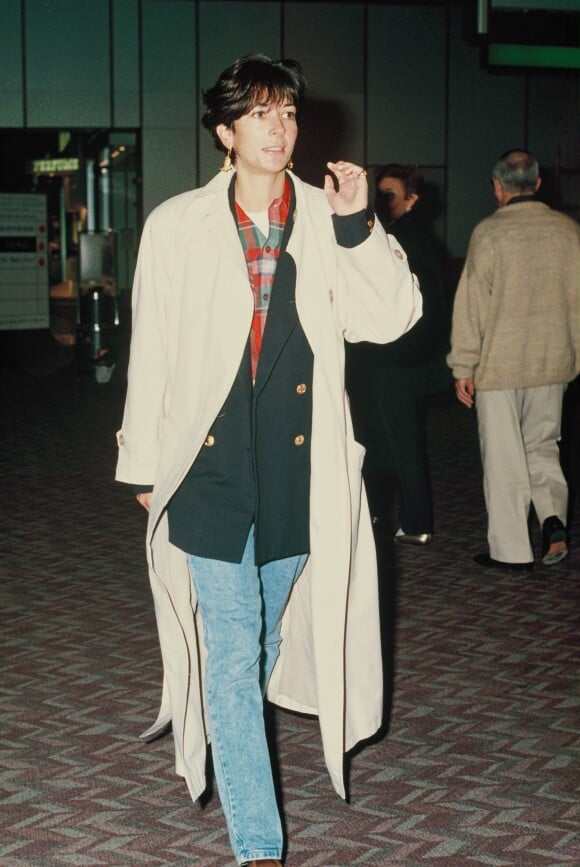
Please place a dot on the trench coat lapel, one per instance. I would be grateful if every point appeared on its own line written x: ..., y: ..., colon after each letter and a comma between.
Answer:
x: 220, y: 223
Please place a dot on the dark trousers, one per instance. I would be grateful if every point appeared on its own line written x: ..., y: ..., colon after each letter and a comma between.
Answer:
x: 391, y: 423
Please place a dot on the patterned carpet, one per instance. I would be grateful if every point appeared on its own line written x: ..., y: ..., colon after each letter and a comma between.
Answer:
x: 479, y: 765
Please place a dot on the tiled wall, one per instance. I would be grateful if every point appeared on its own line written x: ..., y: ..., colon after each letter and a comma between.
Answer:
x: 388, y: 81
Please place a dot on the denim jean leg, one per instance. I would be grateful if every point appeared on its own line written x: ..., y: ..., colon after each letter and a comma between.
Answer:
x: 231, y: 609
x: 277, y: 579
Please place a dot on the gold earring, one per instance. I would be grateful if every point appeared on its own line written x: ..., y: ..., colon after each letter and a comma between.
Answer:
x: 290, y: 165
x: 228, y: 164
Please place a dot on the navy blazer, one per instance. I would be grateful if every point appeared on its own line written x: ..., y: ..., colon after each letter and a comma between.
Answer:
x: 254, y: 466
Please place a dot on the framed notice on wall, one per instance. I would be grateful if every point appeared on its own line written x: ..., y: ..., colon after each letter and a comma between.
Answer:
x: 23, y: 261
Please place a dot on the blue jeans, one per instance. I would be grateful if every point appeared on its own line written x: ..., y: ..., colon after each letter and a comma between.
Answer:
x: 241, y: 607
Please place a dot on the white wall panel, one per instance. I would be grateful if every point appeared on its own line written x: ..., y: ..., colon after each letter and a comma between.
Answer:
x: 406, y: 84
x: 328, y: 40
x: 554, y: 117
x: 486, y: 118
x: 11, y: 93
x: 168, y: 165
x: 228, y: 31
x: 126, y: 77
x: 67, y: 63
x: 554, y: 137
x: 169, y: 69
x: 169, y: 99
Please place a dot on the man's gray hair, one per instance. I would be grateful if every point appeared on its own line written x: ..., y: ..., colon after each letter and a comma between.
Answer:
x: 517, y: 171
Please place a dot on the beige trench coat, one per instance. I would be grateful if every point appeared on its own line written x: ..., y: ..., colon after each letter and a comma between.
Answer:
x: 192, y: 312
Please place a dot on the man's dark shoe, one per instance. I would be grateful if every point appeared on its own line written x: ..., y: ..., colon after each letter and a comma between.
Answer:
x: 488, y: 562
x: 554, y: 541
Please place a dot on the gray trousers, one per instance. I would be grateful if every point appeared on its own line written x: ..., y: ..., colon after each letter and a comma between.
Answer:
x: 519, y: 431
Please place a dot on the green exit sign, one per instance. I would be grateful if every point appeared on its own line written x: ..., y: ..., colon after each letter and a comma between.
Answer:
x: 548, y: 56
x: 59, y: 165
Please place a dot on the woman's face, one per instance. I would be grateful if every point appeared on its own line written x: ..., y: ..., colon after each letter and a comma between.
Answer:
x: 393, y: 189
x: 263, y: 139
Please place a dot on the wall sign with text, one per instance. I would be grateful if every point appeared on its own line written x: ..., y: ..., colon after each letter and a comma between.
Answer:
x: 23, y: 261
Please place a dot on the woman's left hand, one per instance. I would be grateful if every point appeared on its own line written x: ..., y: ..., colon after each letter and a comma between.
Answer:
x: 352, y: 194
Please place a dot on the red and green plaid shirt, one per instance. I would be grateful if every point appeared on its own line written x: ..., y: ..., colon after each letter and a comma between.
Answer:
x: 262, y: 258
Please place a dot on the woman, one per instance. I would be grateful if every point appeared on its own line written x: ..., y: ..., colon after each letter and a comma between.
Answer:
x: 236, y: 420
x: 388, y: 383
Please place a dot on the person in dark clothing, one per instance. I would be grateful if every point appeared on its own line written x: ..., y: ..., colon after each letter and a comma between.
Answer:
x: 388, y: 383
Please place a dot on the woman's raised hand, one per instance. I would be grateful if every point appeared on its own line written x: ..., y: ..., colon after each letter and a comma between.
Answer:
x: 352, y: 194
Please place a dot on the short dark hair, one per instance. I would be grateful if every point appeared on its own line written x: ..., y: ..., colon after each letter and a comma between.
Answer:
x: 517, y: 171
x: 410, y: 176
x: 250, y: 81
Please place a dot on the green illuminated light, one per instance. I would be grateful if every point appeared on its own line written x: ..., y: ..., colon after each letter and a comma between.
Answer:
x: 54, y: 166
x: 551, y: 56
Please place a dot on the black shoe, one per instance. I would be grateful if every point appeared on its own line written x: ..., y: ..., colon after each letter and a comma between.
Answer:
x: 554, y: 547
x: 488, y: 562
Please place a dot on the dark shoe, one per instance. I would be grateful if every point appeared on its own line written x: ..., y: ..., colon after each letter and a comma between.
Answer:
x: 554, y: 541
x: 489, y: 563
x: 402, y: 538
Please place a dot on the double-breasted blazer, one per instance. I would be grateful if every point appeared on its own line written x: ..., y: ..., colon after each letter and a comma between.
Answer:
x: 255, y: 464
x: 193, y: 307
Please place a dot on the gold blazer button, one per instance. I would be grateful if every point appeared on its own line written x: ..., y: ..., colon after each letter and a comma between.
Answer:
x: 299, y: 440
x: 210, y: 440
x: 301, y: 389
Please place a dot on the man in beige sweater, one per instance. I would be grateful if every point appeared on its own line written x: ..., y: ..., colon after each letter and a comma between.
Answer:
x: 515, y: 344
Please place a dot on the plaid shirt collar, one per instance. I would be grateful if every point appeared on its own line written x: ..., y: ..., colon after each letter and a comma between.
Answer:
x: 262, y: 256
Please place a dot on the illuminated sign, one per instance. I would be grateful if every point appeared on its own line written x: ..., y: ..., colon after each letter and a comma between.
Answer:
x: 55, y: 166
x: 549, y: 56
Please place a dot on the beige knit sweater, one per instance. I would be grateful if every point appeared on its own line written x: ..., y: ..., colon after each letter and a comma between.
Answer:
x: 516, y: 316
